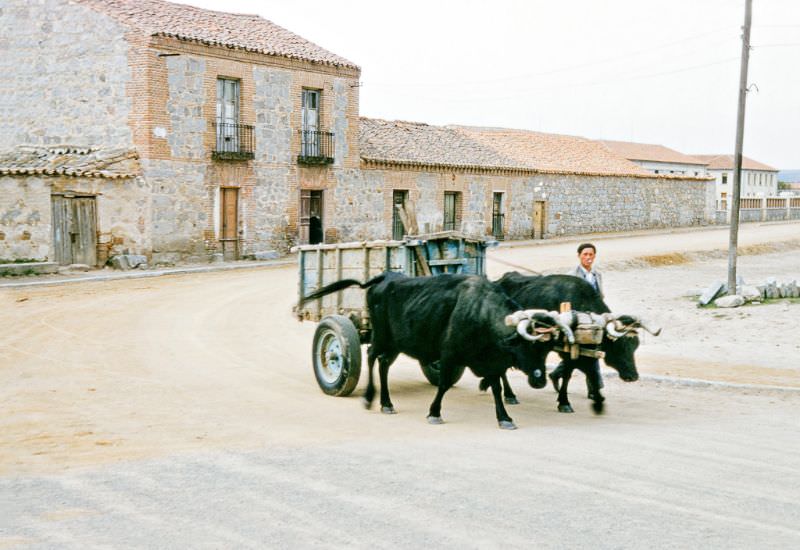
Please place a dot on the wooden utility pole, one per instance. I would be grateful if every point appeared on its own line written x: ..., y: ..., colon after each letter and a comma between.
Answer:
x: 737, y: 168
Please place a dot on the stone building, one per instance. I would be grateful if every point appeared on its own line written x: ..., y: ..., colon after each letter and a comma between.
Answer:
x: 238, y: 125
x: 146, y: 127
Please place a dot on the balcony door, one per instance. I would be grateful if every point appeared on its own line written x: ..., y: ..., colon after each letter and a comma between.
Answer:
x: 310, y: 136
x: 227, y: 115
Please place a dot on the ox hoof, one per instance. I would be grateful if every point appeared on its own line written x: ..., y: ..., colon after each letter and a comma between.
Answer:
x: 388, y: 410
x: 597, y: 407
x: 435, y: 420
x: 565, y: 409
x: 511, y: 401
x: 507, y: 425
x: 367, y: 403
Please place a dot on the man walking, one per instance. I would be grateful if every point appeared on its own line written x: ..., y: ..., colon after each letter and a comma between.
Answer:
x: 584, y: 270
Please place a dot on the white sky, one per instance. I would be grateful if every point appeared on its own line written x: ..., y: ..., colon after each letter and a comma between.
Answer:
x: 651, y: 71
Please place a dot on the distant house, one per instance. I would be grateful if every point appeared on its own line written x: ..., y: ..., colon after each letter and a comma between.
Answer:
x: 658, y: 159
x: 758, y: 179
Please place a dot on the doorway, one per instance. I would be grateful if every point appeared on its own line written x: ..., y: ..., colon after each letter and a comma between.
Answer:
x: 311, y: 222
x: 229, y: 223
x: 539, y: 209
x: 75, y: 229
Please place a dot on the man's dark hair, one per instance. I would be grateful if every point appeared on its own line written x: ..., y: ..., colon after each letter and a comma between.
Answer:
x: 586, y: 245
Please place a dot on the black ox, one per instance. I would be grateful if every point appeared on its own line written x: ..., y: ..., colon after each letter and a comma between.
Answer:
x: 620, y: 337
x: 457, y: 320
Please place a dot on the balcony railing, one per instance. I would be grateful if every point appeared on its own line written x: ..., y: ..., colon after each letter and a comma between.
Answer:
x: 316, y: 147
x: 234, y: 141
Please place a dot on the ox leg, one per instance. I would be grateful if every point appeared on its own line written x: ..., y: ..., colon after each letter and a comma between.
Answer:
x: 556, y: 375
x: 369, y: 393
x: 593, y: 382
x: 563, y: 398
x: 503, y: 420
x: 445, y: 382
x: 508, y: 393
x: 383, y: 371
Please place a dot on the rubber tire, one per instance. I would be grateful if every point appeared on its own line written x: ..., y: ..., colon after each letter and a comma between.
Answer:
x: 331, y: 330
x: 431, y: 372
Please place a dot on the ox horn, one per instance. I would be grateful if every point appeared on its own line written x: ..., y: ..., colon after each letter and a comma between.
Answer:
x: 655, y: 331
x: 522, y: 329
x: 565, y: 328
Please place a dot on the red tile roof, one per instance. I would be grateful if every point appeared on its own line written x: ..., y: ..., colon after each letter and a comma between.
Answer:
x: 414, y: 143
x: 651, y: 152
x: 70, y: 161
x: 246, y: 32
x: 725, y: 162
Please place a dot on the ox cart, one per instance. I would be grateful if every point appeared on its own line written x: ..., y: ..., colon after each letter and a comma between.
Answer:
x: 343, y: 318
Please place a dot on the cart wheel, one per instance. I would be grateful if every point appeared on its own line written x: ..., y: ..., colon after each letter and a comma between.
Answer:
x: 431, y: 372
x: 336, y: 355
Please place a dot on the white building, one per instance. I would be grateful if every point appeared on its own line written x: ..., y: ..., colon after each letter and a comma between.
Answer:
x: 657, y: 158
x: 758, y: 180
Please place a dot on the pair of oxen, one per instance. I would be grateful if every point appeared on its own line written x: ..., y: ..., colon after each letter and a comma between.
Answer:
x: 457, y: 321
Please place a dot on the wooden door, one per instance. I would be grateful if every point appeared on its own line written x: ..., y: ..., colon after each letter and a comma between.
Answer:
x: 538, y: 219
x: 74, y: 229
x: 229, y: 220
x: 311, y: 224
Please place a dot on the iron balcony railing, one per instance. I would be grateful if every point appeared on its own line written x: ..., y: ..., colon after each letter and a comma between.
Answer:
x: 316, y: 147
x: 234, y: 141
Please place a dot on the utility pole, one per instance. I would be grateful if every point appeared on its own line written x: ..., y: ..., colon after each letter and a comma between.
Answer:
x: 737, y: 168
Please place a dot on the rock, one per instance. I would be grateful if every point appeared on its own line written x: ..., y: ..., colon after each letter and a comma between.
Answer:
x: 763, y: 290
x: 128, y: 261
x: 78, y: 267
x: 710, y: 293
x: 267, y: 255
x: 750, y: 293
x: 772, y: 291
x: 217, y: 258
x: 729, y: 301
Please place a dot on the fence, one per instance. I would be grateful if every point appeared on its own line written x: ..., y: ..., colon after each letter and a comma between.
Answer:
x: 761, y: 209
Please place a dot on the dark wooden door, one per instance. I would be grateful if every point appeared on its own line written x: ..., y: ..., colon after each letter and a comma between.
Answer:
x: 311, y: 223
x: 74, y: 230
x: 229, y: 232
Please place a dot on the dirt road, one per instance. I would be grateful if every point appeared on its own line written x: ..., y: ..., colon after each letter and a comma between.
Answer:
x: 182, y: 412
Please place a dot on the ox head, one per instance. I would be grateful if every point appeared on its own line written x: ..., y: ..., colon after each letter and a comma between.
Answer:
x: 620, y: 341
x: 537, y: 331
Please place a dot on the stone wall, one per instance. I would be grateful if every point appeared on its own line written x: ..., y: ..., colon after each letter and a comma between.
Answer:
x: 359, y: 205
x: 274, y: 108
x: 573, y: 204
x: 185, y: 107
x: 25, y: 230
x: 181, y: 202
x: 65, y: 70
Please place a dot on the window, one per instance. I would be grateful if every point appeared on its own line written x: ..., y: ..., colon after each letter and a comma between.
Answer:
x: 227, y: 115
x: 497, y: 215
x: 399, y: 198
x: 452, y: 205
x: 310, y: 138
x: 724, y: 178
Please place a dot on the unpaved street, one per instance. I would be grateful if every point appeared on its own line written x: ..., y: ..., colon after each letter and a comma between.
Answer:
x: 182, y: 412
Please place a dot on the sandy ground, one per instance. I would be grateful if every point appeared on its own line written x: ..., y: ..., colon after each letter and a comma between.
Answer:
x: 112, y: 391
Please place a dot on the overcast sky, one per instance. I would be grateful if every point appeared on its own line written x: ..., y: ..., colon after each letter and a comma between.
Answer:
x: 651, y: 71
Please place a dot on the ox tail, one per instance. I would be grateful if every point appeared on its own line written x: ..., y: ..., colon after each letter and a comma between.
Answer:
x: 340, y: 285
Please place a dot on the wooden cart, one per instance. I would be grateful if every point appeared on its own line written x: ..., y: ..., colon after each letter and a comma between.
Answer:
x: 342, y: 317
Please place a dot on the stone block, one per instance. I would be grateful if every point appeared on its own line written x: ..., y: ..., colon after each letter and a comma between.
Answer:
x: 217, y: 258
x: 733, y: 300
x: 750, y: 293
x: 711, y: 292
x: 127, y: 261
x: 266, y: 255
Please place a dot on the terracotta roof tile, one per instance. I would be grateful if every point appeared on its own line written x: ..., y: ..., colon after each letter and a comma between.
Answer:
x: 413, y: 143
x: 651, y: 152
x: 70, y: 161
x: 247, y: 32
x: 725, y: 162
